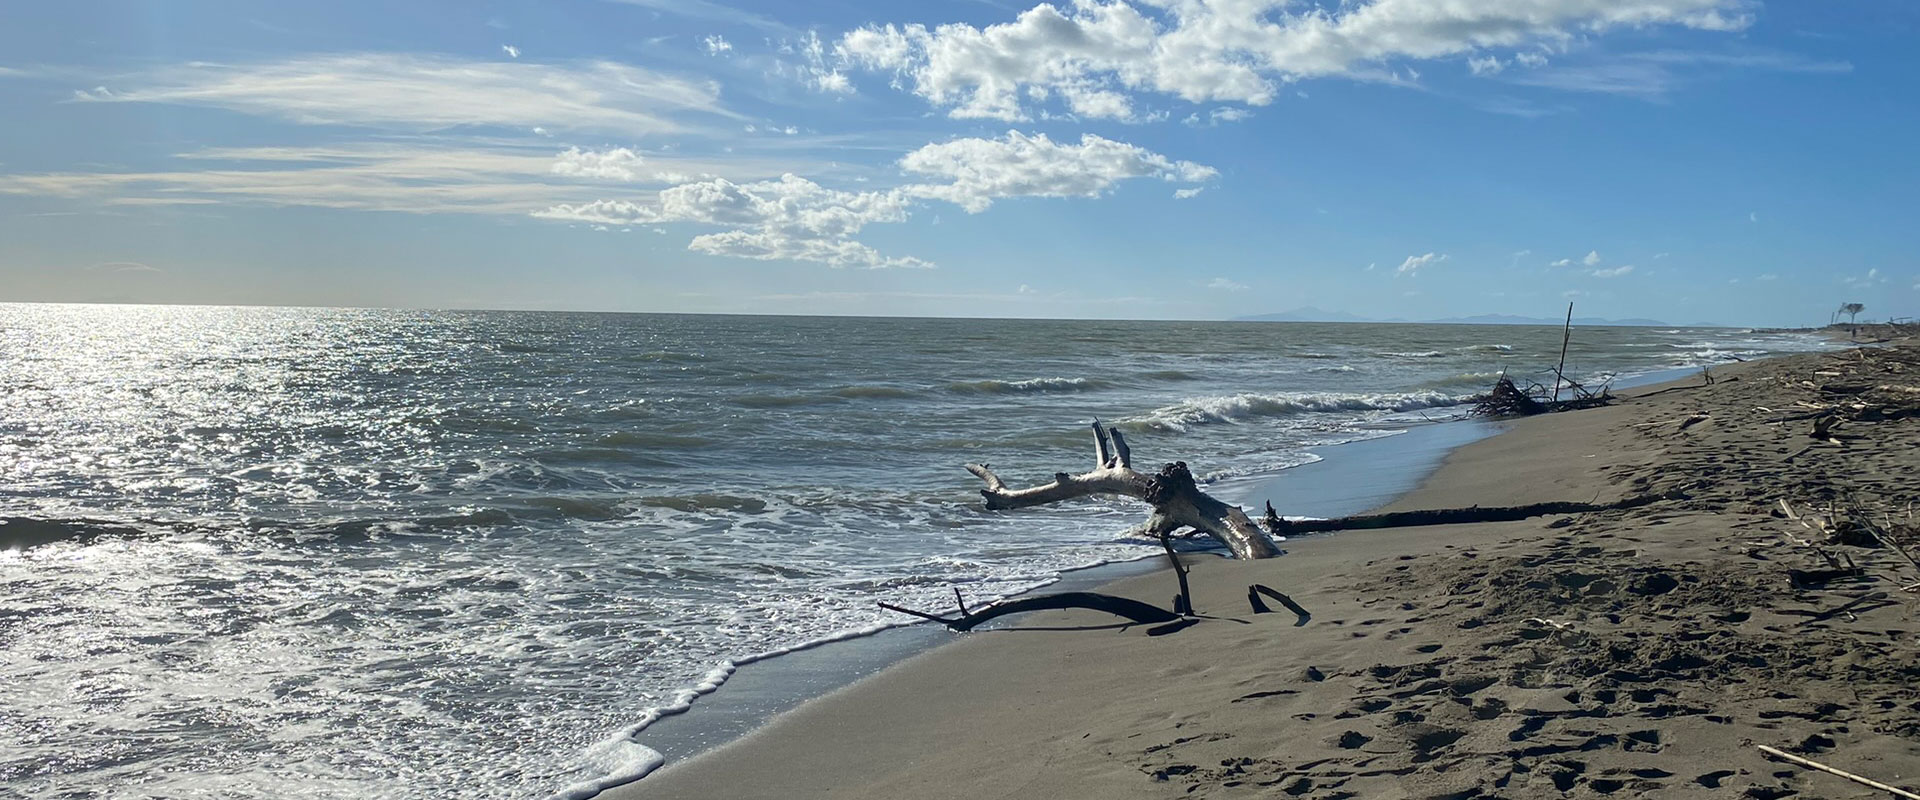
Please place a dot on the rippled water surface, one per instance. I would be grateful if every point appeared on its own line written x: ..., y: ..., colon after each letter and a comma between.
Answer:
x: 270, y: 553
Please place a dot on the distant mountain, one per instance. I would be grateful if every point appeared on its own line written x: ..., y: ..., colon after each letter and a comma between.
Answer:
x: 1306, y: 314
x: 1311, y: 314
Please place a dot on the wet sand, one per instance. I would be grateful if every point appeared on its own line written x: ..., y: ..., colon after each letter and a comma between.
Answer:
x: 1638, y: 653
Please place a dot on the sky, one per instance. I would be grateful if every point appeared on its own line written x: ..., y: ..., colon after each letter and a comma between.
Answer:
x: 1729, y: 161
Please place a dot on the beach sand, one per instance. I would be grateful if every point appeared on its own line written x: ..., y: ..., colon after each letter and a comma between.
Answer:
x: 1638, y: 653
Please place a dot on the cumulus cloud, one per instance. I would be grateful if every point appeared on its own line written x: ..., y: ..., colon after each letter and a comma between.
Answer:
x: 1214, y: 50
x: 716, y: 44
x: 419, y: 92
x: 796, y: 219
x: 791, y: 218
x: 1226, y: 285
x: 1414, y: 264
x: 1188, y: 193
x: 1592, y: 259
x: 618, y: 164
x: 979, y: 171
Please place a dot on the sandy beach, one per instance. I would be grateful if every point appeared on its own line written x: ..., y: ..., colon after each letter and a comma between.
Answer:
x: 1640, y: 653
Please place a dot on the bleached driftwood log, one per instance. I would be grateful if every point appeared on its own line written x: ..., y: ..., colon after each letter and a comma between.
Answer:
x: 1177, y: 501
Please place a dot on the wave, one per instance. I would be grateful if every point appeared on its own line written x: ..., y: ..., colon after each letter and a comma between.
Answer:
x: 1334, y: 368
x: 784, y: 400
x: 1030, y: 386
x: 652, y: 439
x: 668, y: 357
x: 696, y: 503
x: 872, y: 392
x: 1465, y: 379
x: 1238, y: 407
x: 1488, y: 348
x: 1315, y: 355
x: 24, y: 532
x: 1171, y: 375
x: 1420, y: 354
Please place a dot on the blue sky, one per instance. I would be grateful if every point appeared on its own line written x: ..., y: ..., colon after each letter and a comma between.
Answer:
x: 1689, y: 160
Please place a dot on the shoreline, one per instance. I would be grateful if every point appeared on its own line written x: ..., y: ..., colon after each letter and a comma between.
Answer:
x: 1013, y: 697
x: 1350, y: 477
x: 1335, y: 485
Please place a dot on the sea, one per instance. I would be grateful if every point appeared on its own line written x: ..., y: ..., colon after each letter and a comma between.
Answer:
x: 338, y: 553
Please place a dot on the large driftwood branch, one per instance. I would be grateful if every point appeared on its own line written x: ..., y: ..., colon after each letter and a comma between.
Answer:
x: 1177, y: 501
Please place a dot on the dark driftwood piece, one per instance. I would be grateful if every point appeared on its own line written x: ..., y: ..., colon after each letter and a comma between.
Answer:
x: 1448, y: 516
x: 1118, y: 606
x: 1176, y: 499
x: 1253, y: 599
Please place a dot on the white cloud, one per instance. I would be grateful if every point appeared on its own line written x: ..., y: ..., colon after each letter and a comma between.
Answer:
x: 980, y: 171
x: 510, y: 50
x: 618, y: 164
x: 1227, y: 50
x: 414, y: 92
x: 1226, y: 285
x: 1530, y: 60
x: 1872, y: 278
x: 814, y: 70
x: 1658, y: 256
x: 1613, y: 272
x: 1593, y: 258
x: 1414, y: 264
x: 1217, y: 116
x: 796, y: 219
x: 1189, y: 193
x: 1766, y: 276
x: 1565, y: 262
x: 791, y: 219
x: 716, y: 44
x: 1489, y: 65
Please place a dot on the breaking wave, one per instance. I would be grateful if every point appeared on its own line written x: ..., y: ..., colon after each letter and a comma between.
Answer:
x: 1029, y: 386
x: 1239, y: 407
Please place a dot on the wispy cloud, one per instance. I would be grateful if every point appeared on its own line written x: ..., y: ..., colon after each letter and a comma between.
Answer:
x: 510, y: 50
x: 1655, y: 74
x: 426, y: 93
x: 418, y: 177
x: 1414, y: 264
x: 1613, y: 272
x: 1226, y: 285
x: 707, y: 10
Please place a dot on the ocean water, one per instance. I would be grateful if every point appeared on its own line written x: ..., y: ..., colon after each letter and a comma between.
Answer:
x: 288, y: 553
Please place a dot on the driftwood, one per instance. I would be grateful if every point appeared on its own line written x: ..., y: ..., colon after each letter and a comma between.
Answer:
x: 1253, y: 599
x: 1506, y: 399
x: 1450, y: 516
x: 1779, y: 755
x: 1176, y: 500
x: 1132, y: 610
